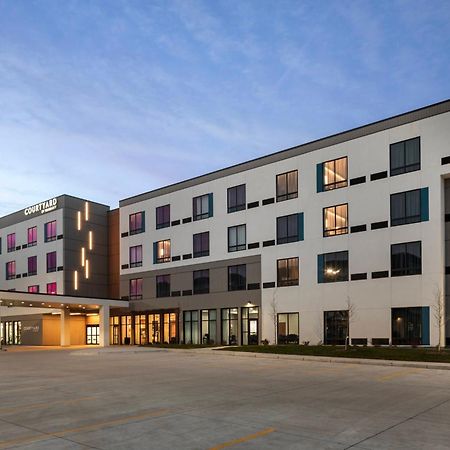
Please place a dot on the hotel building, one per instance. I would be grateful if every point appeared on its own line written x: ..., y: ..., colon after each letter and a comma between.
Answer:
x: 343, y: 236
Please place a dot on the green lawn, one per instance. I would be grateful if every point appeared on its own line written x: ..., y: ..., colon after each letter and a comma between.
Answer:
x: 391, y: 353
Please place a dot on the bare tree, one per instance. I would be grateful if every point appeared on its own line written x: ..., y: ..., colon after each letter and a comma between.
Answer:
x: 439, y: 313
x: 351, y: 309
x: 274, y: 314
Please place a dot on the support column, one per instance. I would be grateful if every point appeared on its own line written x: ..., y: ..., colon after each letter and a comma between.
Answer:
x: 65, y: 327
x: 104, y: 325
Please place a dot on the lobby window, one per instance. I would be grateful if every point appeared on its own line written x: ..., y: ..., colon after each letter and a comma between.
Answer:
x: 237, y: 239
x: 136, y: 288
x: 32, y: 266
x: 136, y: 256
x: 50, y: 231
x: 137, y: 222
x: 162, y: 217
x: 32, y: 236
x: 201, y: 244
x: 10, y: 270
x: 288, y: 328
x: 335, y: 327
x: 201, y: 281
x: 237, y: 277
x: 161, y: 251
x: 332, y: 267
x: 287, y: 272
x: 236, y: 198
x: 209, y: 326
x: 229, y: 328
x: 163, y: 286
x: 287, y: 185
x: 409, y: 207
x: 11, y: 242
x: 406, y: 259
x: 410, y: 326
x: 51, y: 262
x: 51, y: 288
x: 190, y: 327
x: 332, y: 174
x: 335, y: 220
x: 290, y: 228
x: 33, y: 289
x: 405, y: 156
x: 202, y: 207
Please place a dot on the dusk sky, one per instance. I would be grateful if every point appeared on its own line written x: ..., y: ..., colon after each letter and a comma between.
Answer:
x: 107, y: 99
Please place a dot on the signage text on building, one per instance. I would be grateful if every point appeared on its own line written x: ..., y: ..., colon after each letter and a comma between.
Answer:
x: 43, y: 207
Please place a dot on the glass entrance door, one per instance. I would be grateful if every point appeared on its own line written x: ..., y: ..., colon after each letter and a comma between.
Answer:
x: 250, y: 318
x: 92, y: 334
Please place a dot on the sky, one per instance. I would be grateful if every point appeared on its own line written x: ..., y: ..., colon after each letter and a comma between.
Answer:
x: 108, y: 99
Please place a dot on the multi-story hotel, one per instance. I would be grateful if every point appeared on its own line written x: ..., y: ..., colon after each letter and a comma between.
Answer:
x: 343, y: 236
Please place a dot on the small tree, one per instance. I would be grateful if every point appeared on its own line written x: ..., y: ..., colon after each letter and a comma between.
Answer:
x: 439, y: 313
x: 351, y: 309
x: 274, y: 314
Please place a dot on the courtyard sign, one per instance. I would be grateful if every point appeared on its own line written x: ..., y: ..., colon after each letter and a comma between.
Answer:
x: 43, y: 207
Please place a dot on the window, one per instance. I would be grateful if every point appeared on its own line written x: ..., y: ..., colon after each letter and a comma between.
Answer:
x: 51, y: 262
x: 409, y: 207
x: 11, y: 242
x: 136, y: 288
x: 335, y: 220
x: 405, y: 156
x: 136, y: 256
x: 335, y: 327
x: 50, y: 231
x: 406, y: 259
x: 201, y: 244
x: 32, y: 236
x: 249, y: 325
x: 161, y: 252
x: 333, y: 267
x: 10, y: 270
x: 230, y: 326
x: 237, y: 277
x: 290, y: 228
x: 33, y: 289
x: 287, y: 185
x: 288, y: 328
x: 137, y: 222
x: 190, y: 327
x: 287, y: 272
x: 201, y: 281
x: 334, y: 174
x: 236, y: 198
x: 209, y: 326
x: 163, y: 286
x: 51, y: 288
x: 410, y: 326
x: 162, y: 217
x: 202, y: 206
x: 237, y: 238
x: 32, y: 266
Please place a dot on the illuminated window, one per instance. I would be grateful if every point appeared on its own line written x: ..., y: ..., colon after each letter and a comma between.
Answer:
x: 51, y: 262
x: 209, y: 326
x: 202, y: 206
x: 11, y: 242
x: 405, y: 156
x: 335, y: 174
x: 190, y: 327
x: 237, y: 239
x: 236, y: 198
x: 201, y: 244
x: 163, y: 286
x: 136, y: 256
x: 136, y: 288
x: 33, y: 289
x: 335, y: 220
x: 162, y: 217
x: 287, y: 272
x: 287, y: 185
x: 32, y: 266
x: 51, y: 288
x: 50, y: 231
x: 161, y: 252
x: 32, y: 237
x: 201, y: 281
x: 332, y: 267
x: 10, y: 270
x: 137, y: 222
x: 288, y: 328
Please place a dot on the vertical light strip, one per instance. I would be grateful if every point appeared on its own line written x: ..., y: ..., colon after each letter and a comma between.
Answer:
x: 75, y: 280
x: 79, y: 220
x: 87, y: 269
x: 83, y: 256
x: 86, y: 211
x: 90, y: 240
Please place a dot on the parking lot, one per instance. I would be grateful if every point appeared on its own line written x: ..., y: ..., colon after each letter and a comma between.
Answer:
x: 137, y: 398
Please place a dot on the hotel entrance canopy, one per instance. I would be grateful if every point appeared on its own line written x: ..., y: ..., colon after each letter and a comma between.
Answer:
x: 66, y: 304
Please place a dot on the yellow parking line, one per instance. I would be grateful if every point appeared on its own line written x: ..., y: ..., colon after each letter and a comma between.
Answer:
x: 244, y: 439
x: 90, y: 427
x: 398, y: 374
